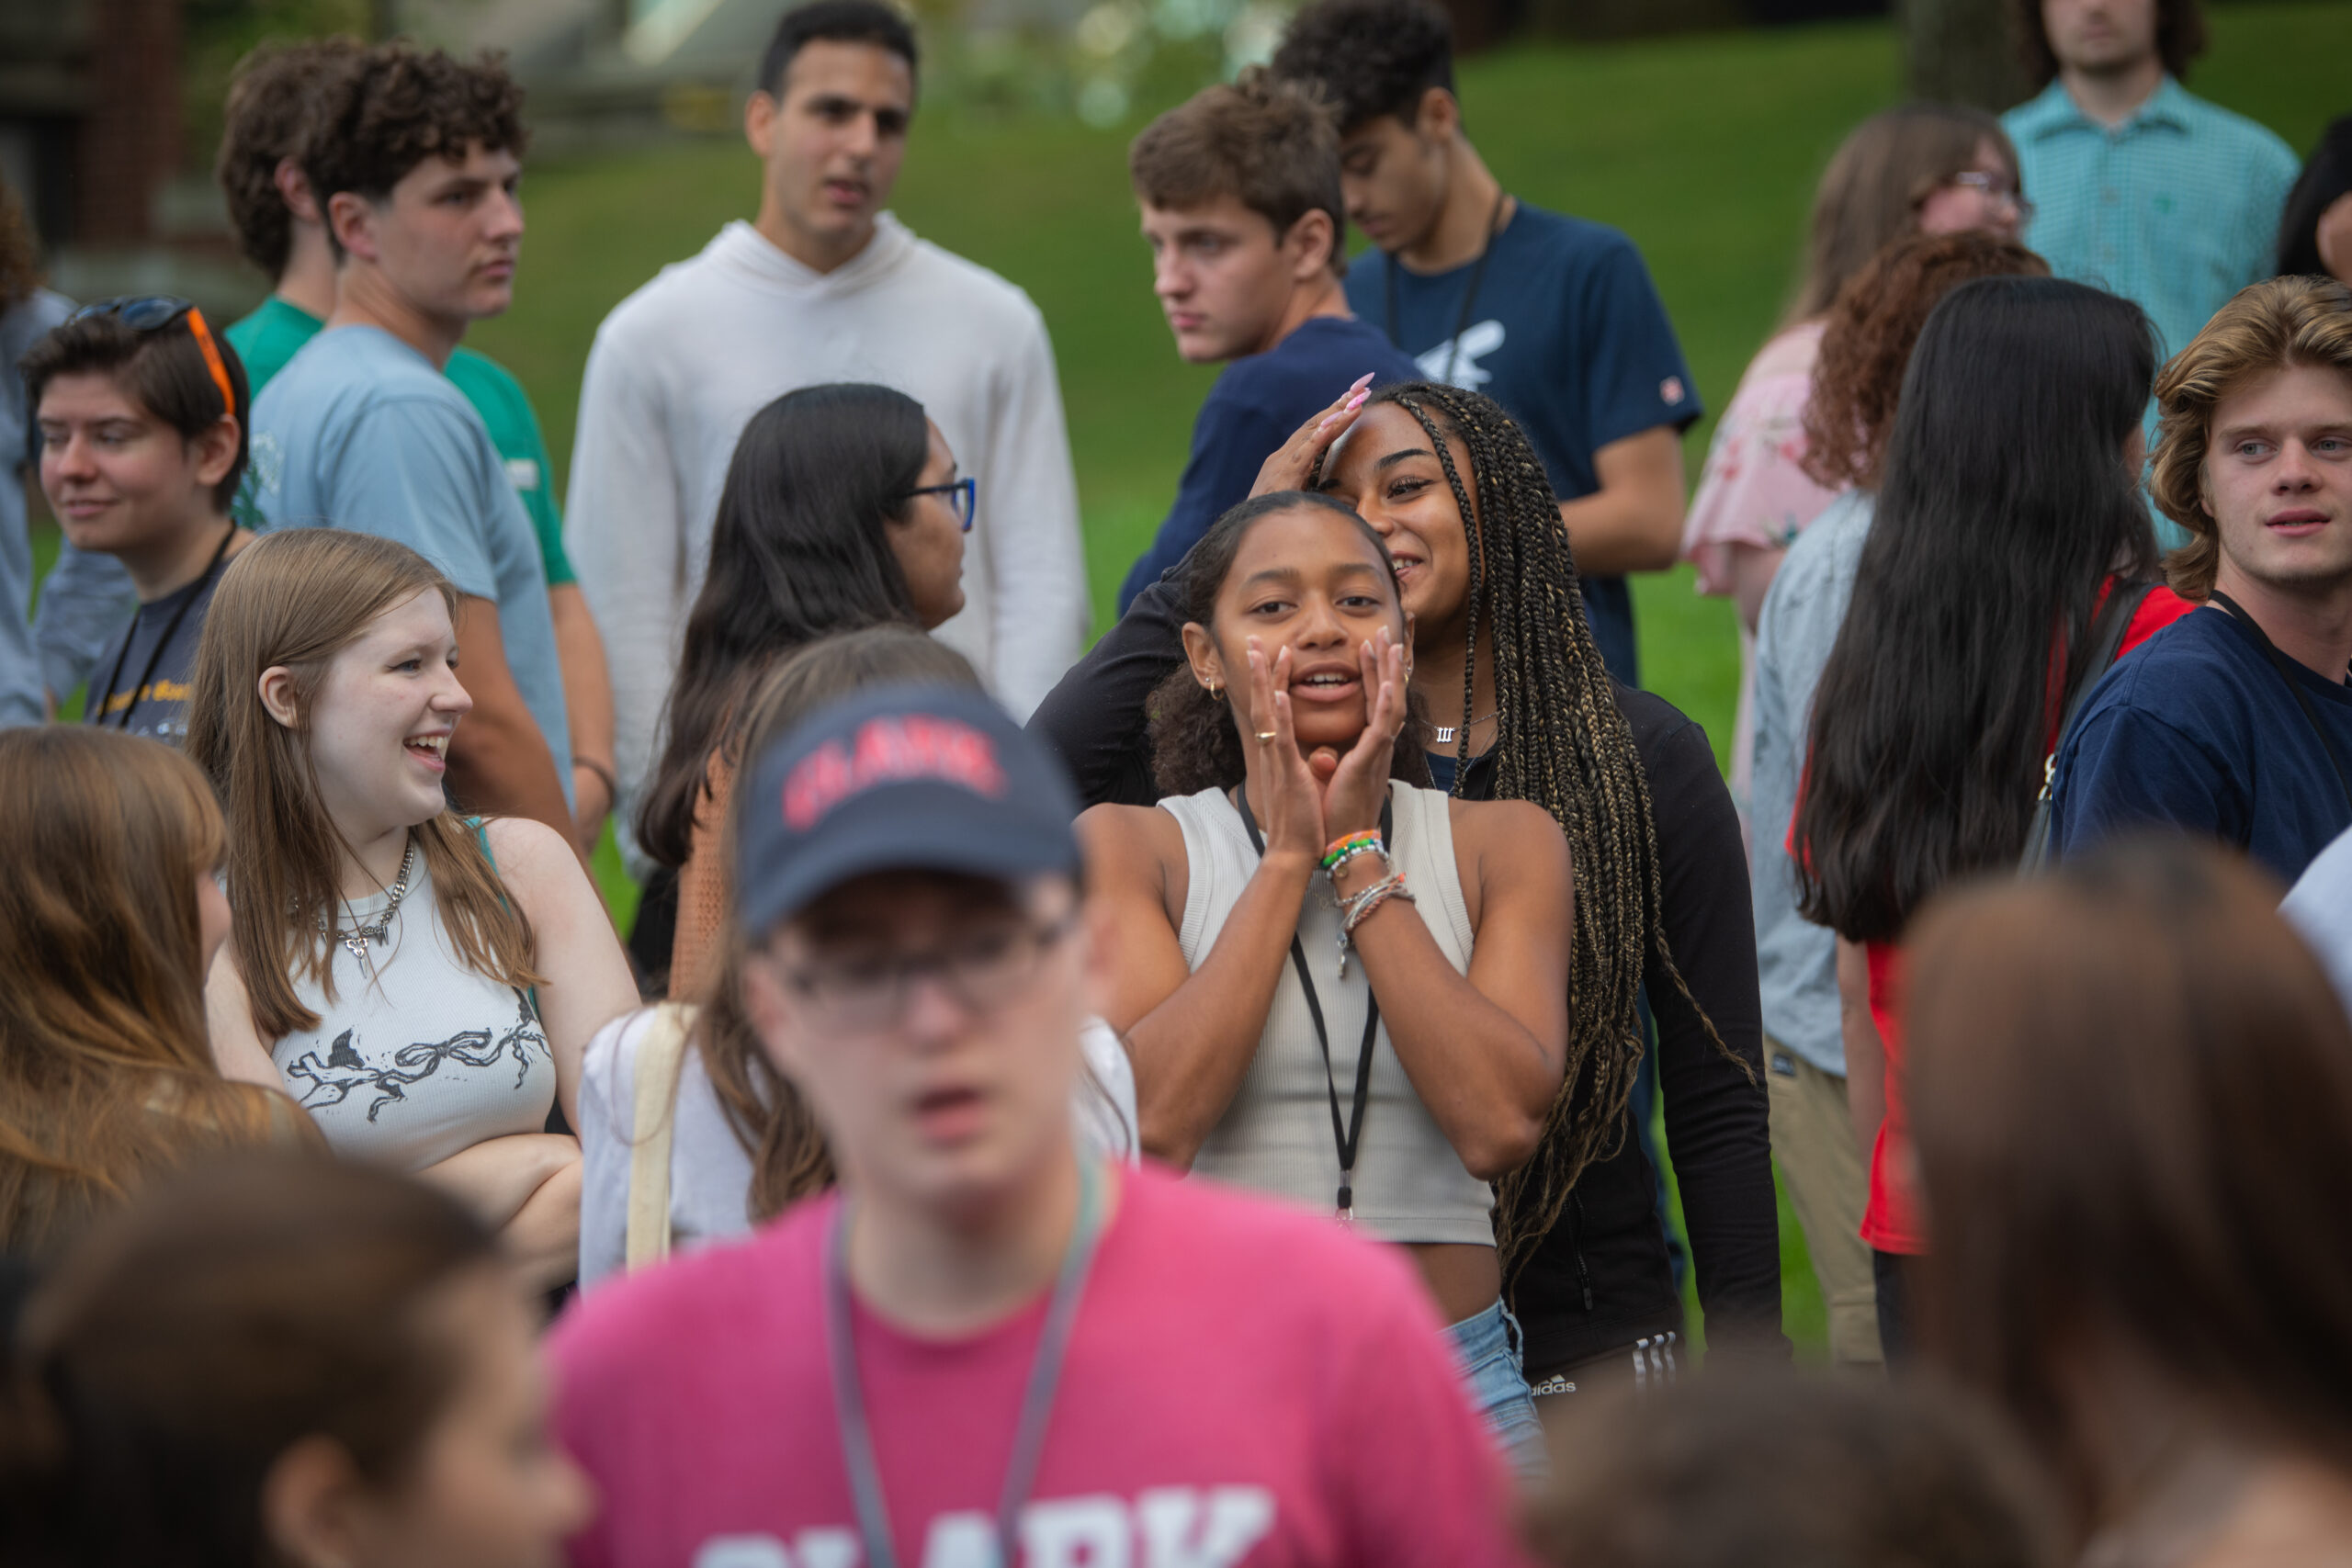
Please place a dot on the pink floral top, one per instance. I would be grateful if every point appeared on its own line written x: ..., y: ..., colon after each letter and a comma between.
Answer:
x: 1752, y: 491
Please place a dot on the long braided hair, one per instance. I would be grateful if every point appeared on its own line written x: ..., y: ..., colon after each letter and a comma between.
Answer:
x: 1562, y: 743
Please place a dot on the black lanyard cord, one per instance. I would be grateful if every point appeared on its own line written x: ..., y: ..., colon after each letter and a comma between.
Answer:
x: 1469, y: 297
x: 155, y: 654
x: 2302, y: 698
x: 1349, y: 1136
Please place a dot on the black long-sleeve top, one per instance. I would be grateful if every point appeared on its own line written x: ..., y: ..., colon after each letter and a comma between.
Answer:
x: 1601, y: 1278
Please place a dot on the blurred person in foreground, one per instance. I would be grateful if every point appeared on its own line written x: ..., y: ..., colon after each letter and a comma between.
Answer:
x: 1854, y: 391
x: 822, y: 284
x: 1554, y: 316
x: 110, y: 918
x: 414, y: 160
x: 286, y: 1363
x: 1239, y: 187
x: 2236, y: 724
x: 2009, y: 563
x: 2140, y: 186
x: 28, y: 309
x: 2133, y: 1084
x: 282, y: 231
x: 1794, y: 1469
x: 988, y: 1346
x: 1921, y: 169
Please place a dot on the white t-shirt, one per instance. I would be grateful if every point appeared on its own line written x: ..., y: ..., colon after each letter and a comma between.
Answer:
x: 2320, y: 906
x: 710, y: 1173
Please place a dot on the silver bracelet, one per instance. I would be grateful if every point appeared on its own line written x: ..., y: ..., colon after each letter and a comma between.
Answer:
x: 1355, y: 910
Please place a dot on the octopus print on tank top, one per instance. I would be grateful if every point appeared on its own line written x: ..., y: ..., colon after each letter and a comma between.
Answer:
x: 418, y: 1056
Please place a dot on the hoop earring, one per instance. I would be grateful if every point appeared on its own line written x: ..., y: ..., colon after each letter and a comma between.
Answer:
x: 1217, y: 692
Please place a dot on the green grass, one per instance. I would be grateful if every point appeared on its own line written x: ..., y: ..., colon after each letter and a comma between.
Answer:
x: 1704, y: 148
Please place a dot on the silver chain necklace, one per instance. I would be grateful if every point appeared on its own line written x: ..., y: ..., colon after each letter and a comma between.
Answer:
x: 357, y: 938
x: 1445, y: 731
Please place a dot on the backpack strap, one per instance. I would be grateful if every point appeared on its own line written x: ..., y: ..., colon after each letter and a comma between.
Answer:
x: 652, y: 1128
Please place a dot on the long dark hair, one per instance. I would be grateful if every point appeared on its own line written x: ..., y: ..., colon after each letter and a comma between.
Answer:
x: 2326, y: 176
x: 2005, y: 503
x: 799, y: 551
x: 1195, y: 739
x: 2132, y: 1084
x: 1562, y: 742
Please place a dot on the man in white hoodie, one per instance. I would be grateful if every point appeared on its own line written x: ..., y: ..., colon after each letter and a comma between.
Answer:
x: 823, y: 286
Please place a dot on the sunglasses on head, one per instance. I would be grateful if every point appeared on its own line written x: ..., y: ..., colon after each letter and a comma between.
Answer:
x: 153, y: 312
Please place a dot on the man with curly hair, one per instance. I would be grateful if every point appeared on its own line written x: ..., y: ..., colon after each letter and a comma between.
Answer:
x: 413, y: 159
x: 1239, y: 187
x: 2235, y: 722
x: 1553, y: 317
x: 280, y: 231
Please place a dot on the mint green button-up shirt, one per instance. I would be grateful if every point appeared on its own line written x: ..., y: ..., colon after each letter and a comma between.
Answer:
x: 2176, y: 209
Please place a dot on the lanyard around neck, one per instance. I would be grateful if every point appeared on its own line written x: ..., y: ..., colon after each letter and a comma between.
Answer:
x: 170, y: 629
x: 2302, y: 699
x: 1347, y: 1136
x: 1036, y: 1400
x: 1469, y: 295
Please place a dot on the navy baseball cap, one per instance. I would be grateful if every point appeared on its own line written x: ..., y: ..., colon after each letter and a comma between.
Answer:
x: 899, y: 778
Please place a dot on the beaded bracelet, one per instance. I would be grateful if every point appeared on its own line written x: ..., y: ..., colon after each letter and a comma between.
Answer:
x: 1355, y: 910
x: 1348, y: 844
x: 1355, y: 846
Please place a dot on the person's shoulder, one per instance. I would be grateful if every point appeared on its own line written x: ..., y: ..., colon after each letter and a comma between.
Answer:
x: 2046, y: 109
x: 1248, y: 1252
x: 694, y: 1305
x: 534, y: 862
x: 2235, y: 135
x: 993, y: 299
x: 484, y: 380
x: 2203, y: 672
x: 1581, y: 244
x: 1656, y: 723
x: 1813, y: 560
x: 648, y: 315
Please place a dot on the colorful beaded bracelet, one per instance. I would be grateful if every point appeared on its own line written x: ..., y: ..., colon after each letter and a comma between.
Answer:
x: 1340, y: 849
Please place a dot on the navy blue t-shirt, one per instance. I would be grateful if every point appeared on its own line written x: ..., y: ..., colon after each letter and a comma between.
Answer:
x: 1258, y: 402
x: 1568, y: 335
x: 2198, y: 730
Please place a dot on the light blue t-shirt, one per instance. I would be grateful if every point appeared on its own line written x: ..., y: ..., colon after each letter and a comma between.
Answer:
x: 360, y: 431
x: 1796, y: 961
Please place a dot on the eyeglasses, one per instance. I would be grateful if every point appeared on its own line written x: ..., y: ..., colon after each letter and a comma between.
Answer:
x: 963, y: 498
x: 153, y: 314
x: 1994, y: 187
x: 982, y: 970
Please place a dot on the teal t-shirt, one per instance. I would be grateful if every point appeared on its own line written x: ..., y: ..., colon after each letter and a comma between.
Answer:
x: 277, y: 330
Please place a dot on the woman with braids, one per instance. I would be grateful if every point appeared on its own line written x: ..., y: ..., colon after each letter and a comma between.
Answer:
x: 1505, y: 663
x: 1298, y: 834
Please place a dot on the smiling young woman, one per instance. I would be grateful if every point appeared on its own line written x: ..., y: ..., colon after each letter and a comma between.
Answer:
x: 1236, y: 938
x: 423, y: 984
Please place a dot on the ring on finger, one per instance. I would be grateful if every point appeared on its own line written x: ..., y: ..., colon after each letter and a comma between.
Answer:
x: 1267, y: 736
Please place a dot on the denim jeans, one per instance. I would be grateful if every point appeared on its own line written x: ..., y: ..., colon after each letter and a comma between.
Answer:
x: 1488, y: 1346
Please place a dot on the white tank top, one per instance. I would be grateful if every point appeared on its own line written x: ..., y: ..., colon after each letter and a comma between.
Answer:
x: 428, y: 1058
x: 1409, y: 1185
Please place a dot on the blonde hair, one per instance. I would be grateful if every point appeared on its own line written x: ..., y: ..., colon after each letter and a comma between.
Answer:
x: 2267, y: 327
x: 298, y: 598
x: 106, y: 1070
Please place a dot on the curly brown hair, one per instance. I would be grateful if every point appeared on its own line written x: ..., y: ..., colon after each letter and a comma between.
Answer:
x: 1868, y: 342
x: 271, y: 97
x: 395, y: 106
x: 19, y: 256
x: 2180, y: 38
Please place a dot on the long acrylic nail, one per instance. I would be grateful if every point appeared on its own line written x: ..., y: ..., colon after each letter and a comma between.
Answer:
x: 1362, y: 381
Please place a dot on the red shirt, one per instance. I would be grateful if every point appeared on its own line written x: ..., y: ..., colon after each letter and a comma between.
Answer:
x: 1890, y: 1220
x: 1246, y: 1383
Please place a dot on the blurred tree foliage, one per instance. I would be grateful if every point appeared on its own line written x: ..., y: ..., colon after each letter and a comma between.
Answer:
x: 221, y: 32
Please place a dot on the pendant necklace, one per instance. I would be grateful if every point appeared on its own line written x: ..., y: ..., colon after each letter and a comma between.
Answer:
x: 1444, y: 732
x: 355, y: 940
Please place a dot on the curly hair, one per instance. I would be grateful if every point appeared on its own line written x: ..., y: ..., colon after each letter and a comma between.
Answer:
x: 2267, y: 327
x: 1563, y: 743
x: 271, y: 97
x: 395, y: 106
x: 1267, y: 143
x: 2180, y: 38
x: 1195, y: 739
x: 19, y: 256
x: 1867, y: 343
x: 1369, y: 57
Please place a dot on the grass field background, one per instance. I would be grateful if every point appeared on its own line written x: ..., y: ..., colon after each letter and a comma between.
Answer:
x: 1704, y: 150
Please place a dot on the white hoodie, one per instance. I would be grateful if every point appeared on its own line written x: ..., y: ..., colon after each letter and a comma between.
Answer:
x: 681, y: 366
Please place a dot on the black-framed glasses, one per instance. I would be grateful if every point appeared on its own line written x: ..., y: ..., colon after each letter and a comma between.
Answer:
x: 982, y: 970
x: 963, y: 498
x: 153, y: 314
